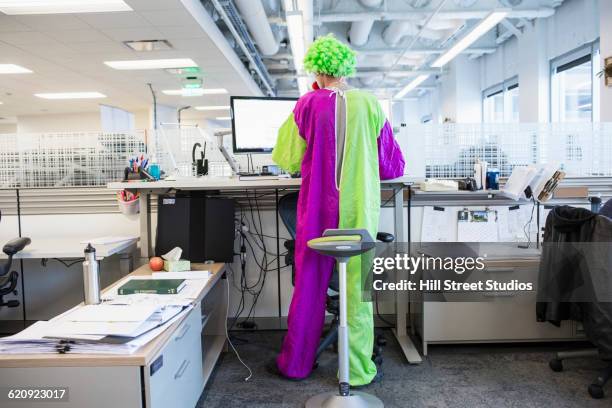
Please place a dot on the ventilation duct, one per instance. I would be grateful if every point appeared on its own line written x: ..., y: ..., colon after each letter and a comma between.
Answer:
x: 418, y: 4
x: 360, y: 30
x: 511, y: 3
x: 465, y: 3
x: 398, y: 29
x: 254, y: 16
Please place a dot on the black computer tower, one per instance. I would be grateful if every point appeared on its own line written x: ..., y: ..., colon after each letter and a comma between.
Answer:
x: 202, y: 226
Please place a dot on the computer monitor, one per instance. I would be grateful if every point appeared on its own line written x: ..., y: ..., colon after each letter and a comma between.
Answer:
x: 256, y: 120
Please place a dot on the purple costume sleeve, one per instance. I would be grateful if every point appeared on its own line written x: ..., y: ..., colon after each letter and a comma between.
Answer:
x: 390, y: 159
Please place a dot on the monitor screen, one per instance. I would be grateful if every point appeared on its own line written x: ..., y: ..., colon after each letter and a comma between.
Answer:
x: 256, y: 120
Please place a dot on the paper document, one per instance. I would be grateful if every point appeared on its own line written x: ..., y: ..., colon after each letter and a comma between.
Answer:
x: 192, y: 275
x: 111, y: 313
x: 477, y: 226
x: 519, y: 180
x: 439, y: 224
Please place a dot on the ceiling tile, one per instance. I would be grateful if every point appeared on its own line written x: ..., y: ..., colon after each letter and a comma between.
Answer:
x: 52, y: 21
x: 76, y: 36
x: 169, y: 17
x: 133, y: 34
x: 26, y: 37
x: 123, y: 19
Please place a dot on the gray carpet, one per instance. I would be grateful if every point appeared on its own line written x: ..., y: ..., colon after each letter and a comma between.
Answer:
x: 451, y: 376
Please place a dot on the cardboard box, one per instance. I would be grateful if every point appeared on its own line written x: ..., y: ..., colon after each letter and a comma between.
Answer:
x: 571, y: 192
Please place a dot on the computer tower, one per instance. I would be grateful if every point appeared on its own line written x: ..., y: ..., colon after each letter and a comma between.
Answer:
x: 202, y: 226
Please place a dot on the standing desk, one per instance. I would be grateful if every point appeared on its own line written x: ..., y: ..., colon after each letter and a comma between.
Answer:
x: 398, y: 186
x: 170, y: 371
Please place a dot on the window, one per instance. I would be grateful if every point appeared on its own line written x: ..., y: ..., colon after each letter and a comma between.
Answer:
x: 573, y: 94
x: 500, y: 103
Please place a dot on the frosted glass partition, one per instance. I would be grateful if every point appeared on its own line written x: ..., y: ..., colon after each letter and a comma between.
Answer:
x: 450, y: 150
x: 90, y: 159
x: 73, y: 159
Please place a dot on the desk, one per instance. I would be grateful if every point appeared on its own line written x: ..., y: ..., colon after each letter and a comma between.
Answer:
x: 47, y: 287
x: 71, y: 247
x: 172, y: 370
x: 401, y: 224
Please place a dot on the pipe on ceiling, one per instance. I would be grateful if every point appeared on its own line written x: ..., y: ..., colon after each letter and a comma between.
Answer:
x: 397, y: 30
x: 359, y: 32
x: 254, y: 15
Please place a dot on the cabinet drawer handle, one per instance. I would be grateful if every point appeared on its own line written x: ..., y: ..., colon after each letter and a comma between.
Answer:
x: 181, y: 369
x: 185, y: 330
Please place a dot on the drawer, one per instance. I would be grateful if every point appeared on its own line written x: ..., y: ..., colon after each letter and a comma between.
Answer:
x: 488, y: 321
x: 175, y: 377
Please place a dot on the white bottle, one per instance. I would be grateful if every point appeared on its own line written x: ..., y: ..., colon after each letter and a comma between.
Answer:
x: 91, y: 277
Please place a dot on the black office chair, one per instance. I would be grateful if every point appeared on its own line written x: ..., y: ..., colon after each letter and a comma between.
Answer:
x: 8, y: 278
x: 595, y: 389
x: 287, y: 209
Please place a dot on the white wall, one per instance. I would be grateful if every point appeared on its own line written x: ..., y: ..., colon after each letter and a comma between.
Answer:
x: 8, y: 128
x: 460, y: 94
x: 70, y: 122
x: 573, y: 25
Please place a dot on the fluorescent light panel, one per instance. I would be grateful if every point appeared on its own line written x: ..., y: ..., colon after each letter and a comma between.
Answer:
x: 152, y: 64
x: 412, y: 85
x: 70, y: 95
x: 211, y: 108
x: 195, y: 92
x: 17, y: 7
x: 13, y: 69
x: 478, y: 31
x: 224, y: 118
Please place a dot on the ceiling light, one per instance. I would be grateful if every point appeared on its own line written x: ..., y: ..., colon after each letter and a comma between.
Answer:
x: 71, y: 95
x: 413, y: 84
x: 16, y: 7
x: 1, y: 103
x: 224, y: 118
x: 152, y: 64
x: 211, y: 108
x: 478, y: 31
x: 295, y: 29
x: 149, y: 45
x: 13, y: 69
x: 195, y: 91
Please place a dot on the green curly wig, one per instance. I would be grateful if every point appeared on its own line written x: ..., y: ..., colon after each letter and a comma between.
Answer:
x: 329, y: 56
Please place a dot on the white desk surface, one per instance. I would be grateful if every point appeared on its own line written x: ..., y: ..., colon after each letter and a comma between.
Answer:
x: 141, y: 357
x: 68, y: 248
x: 224, y: 183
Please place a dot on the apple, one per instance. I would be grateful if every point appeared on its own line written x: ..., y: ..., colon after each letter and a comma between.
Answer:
x: 156, y: 263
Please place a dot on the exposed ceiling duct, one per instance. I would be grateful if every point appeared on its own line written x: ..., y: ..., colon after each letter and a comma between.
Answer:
x: 418, y: 4
x: 254, y: 15
x: 465, y: 3
x: 511, y: 3
x: 397, y: 30
x: 359, y: 32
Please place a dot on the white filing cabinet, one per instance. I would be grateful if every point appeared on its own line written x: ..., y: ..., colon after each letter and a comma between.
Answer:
x: 492, y: 317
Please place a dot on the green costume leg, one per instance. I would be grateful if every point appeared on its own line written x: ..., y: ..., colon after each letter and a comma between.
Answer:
x: 361, y: 328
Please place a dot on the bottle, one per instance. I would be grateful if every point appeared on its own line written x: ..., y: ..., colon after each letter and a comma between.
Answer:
x: 91, y: 277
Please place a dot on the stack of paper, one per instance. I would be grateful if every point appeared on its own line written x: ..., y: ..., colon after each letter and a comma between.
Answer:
x: 43, y: 337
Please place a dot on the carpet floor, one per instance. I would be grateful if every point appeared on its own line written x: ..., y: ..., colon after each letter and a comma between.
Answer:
x: 451, y: 376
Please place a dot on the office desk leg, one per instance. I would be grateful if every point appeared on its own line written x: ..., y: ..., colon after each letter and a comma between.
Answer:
x: 145, y: 226
x: 401, y: 299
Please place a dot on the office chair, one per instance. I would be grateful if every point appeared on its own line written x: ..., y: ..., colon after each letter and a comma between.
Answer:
x: 556, y: 364
x: 8, y: 278
x: 287, y: 209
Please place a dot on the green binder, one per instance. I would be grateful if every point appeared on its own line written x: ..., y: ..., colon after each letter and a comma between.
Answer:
x: 152, y: 286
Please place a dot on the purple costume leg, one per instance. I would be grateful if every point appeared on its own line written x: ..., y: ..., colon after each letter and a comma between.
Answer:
x: 318, y: 209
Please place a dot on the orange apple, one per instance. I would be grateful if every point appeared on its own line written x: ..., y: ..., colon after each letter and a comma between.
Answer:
x: 156, y: 263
